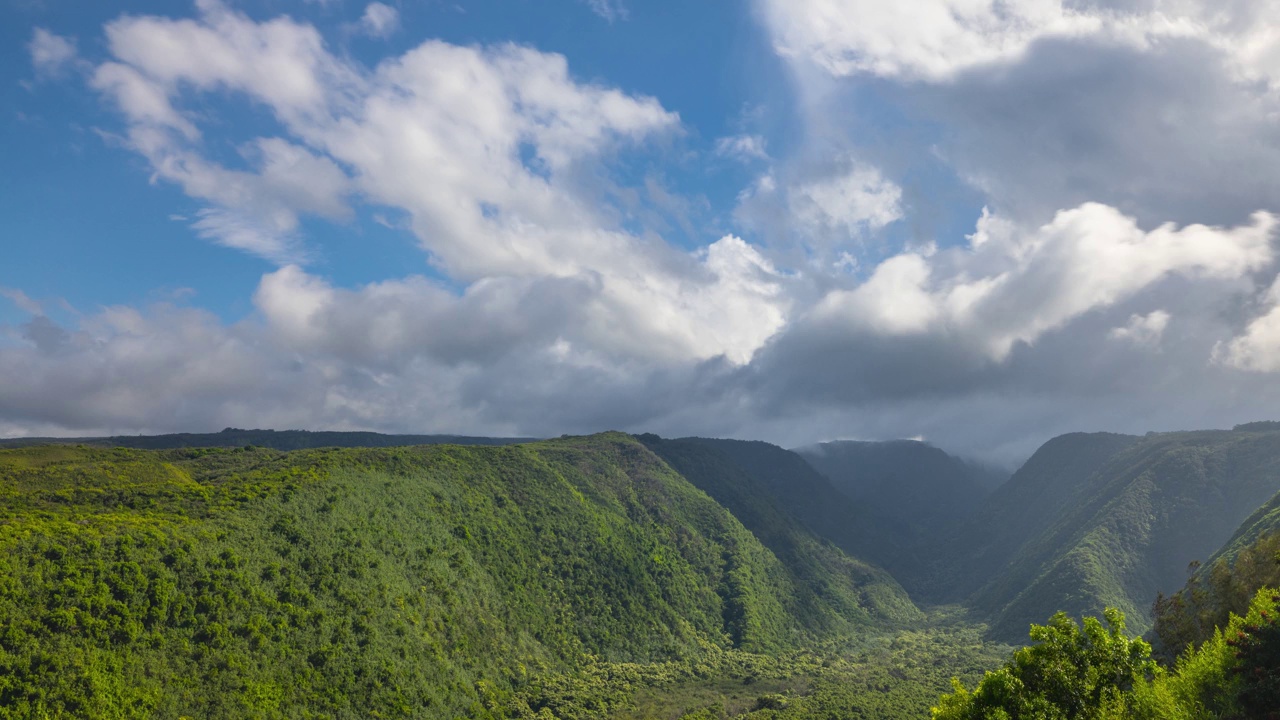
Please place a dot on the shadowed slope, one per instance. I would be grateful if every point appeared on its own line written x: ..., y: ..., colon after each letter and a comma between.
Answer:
x: 795, y: 513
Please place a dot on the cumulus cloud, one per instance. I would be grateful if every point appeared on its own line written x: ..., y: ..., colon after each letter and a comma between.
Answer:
x: 1123, y: 275
x: 1010, y: 287
x: 825, y: 214
x: 490, y: 153
x: 509, y: 355
x: 860, y: 198
x: 440, y: 132
x: 934, y: 39
x: 1124, y: 150
x: 931, y: 38
x: 379, y: 20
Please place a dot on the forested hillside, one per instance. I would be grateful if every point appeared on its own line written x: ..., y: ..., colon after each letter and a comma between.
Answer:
x: 1223, y: 585
x: 426, y: 581
x: 1218, y: 652
x: 1103, y: 520
x: 593, y: 577
x: 1264, y: 522
x: 1051, y: 480
x: 794, y: 512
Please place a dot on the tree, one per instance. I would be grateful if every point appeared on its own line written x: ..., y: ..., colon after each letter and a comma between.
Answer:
x: 1067, y: 673
x: 1257, y: 651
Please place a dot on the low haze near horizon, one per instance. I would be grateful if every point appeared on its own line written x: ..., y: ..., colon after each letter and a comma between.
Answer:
x: 979, y: 223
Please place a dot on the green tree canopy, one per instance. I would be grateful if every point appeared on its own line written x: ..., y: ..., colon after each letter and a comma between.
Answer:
x: 1067, y: 673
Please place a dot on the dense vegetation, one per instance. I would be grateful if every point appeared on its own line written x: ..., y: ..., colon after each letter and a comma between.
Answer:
x: 1219, y: 641
x: 1049, y: 483
x: 889, y: 677
x: 612, y: 576
x: 581, y: 577
x: 793, y: 510
x: 1067, y: 672
x: 1100, y: 674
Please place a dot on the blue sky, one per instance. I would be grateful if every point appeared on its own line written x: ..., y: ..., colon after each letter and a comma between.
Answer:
x: 789, y: 220
x: 71, y: 195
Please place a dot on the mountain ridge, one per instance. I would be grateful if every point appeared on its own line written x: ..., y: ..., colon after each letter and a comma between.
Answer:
x: 1126, y: 530
x: 274, y: 439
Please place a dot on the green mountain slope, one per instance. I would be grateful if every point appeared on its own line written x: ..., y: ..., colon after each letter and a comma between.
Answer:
x: 1223, y: 585
x: 795, y: 512
x: 275, y: 439
x: 1119, y: 534
x: 410, y: 582
x: 966, y: 557
x: 1264, y: 522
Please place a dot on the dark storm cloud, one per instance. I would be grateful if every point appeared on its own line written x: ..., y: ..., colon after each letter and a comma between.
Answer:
x: 1167, y: 133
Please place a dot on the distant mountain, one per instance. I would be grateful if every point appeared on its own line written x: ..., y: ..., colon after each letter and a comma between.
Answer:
x: 794, y: 511
x: 274, y: 439
x: 1105, y: 520
x: 908, y: 490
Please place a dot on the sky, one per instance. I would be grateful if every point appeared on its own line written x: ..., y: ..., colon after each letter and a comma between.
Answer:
x: 978, y: 222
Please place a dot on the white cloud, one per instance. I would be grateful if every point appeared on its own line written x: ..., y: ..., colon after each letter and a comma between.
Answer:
x: 1012, y: 286
x: 507, y: 353
x: 439, y: 132
x: 144, y: 102
x: 930, y: 38
x: 483, y: 149
x: 857, y: 200
x: 820, y: 217
x: 281, y: 63
x: 1258, y: 348
x: 934, y: 39
x: 561, y: 308
x: 744, y: 306
x: 275, y: 242
x: 379, y: 20
x: 1143, y: 330
x: 742, y: 147
x: 731, y: 312
x: 50, y: 53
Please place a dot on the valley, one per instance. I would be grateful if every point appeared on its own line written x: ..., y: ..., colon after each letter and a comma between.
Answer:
x: 606, y: 576
x: 622, y: 360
